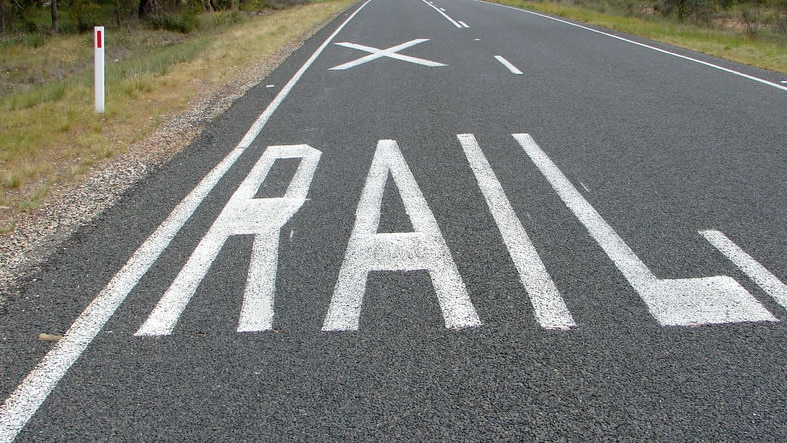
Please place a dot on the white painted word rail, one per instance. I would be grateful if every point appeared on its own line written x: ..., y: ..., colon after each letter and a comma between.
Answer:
x: 672, y: 302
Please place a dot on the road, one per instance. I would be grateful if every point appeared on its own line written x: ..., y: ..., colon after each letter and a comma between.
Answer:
x: 444, y: 220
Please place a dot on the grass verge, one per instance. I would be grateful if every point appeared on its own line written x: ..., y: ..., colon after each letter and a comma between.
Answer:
x: 49, y: 132
x: 769, y: 52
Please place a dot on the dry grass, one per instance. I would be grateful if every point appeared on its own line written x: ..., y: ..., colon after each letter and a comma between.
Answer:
x: 49, y: 132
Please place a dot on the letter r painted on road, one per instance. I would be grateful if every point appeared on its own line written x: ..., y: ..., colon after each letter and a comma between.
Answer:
x: 243, y: 214
x: 422, y: 249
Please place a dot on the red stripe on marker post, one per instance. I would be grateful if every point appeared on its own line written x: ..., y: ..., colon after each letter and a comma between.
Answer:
x: 99, y: 39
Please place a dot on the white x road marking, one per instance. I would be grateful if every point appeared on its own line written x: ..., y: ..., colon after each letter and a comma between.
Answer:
x: 392, y: 52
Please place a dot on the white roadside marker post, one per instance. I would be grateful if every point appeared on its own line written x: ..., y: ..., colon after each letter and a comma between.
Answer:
x: 98, y: 32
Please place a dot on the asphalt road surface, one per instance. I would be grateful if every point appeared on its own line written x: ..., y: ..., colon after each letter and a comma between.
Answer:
x: 444, y: 220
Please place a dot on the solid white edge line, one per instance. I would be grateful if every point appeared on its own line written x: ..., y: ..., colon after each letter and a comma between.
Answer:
x: 663, y: 51
x: 464, y: 25
x: 508, y: 65
x: 25, y: 400
x: 442, y: 13
x: 751, y: 267
x: 263, y: 118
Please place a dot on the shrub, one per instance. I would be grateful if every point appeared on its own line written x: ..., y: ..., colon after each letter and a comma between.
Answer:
x: 183, y: 22
x: 698, y: 10
x: 86, y: 14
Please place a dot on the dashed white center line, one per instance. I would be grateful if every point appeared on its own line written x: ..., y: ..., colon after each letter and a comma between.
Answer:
x: 663, y: 51
x: 442, y: 13
x: 508, y: 65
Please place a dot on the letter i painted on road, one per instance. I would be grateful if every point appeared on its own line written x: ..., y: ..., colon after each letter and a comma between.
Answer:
x: 243, y: 214
x: 550, y: 309
x: 422, y: 249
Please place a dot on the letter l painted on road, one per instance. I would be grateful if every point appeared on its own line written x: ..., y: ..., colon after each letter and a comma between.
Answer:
x: 673, y: 302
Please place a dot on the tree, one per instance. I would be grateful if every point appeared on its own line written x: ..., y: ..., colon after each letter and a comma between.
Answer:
x: 85, y: 13
x: 148, y: 8
x: 53, y: 4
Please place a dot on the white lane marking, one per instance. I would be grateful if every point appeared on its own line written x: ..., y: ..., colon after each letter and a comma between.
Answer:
x: 784, y: 82
x: 256, y: 128
x: 422, y: 249
x: 751, y: 267
x: 442, y: 13
x: 507, y: 64
x: 673, y: 302
x: 550, y: 309
x: 25, y: 400
x: 442, y: 9
x: 584, y: 187
x: 663, y: 51
x: 464, y: 25
x: 243, y: 214
x: 392, y: 52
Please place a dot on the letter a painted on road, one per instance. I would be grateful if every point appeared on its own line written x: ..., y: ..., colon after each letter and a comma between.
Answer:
x: 422, y: 249
x: 243, y: 214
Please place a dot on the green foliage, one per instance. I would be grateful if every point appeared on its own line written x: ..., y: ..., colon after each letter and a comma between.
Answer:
x: 34, y: 200
x: 51, y: 92
x: 35, y: 40
x: 219, y: 20
x: 259, y: 5
x: 86, y: 14
x: 183, y: 22
x: 697, y: 10
x: 12, y: 180
x: 123, y: 9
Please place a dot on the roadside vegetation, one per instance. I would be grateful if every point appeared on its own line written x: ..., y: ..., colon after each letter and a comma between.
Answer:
x: 752, y: 32
x: 158, y: 59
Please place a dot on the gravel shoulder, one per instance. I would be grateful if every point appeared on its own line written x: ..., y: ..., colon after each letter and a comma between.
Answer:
x: 38, y: 234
